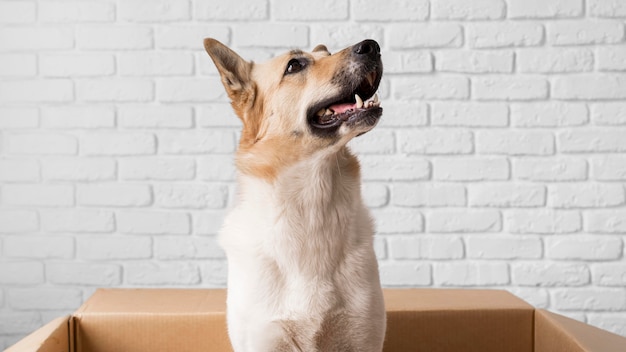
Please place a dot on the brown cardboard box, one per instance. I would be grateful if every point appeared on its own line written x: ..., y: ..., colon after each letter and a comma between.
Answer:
x: 429, y: 320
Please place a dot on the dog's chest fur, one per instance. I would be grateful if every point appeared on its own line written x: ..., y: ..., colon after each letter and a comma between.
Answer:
x: 300, y: 252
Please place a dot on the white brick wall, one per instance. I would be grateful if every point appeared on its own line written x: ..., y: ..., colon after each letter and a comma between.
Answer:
x: 500, y: 160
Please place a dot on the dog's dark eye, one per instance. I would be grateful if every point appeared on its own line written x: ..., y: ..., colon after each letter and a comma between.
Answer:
x: 295, y: 66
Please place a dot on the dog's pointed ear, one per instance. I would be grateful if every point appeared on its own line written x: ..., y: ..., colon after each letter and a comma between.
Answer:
x: 234, y: 71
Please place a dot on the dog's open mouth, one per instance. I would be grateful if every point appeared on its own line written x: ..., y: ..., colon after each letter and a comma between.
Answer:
x: 350, y: 106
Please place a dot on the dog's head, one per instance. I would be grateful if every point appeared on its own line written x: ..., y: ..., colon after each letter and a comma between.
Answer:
x: 300, y: 103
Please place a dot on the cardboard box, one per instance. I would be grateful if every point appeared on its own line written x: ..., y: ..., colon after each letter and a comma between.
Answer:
x: 431, y: 320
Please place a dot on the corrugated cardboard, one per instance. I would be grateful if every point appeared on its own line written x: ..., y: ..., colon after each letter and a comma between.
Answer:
x: 431, y: 320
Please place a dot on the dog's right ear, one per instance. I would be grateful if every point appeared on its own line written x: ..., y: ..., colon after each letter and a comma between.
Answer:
x: 234, y: 71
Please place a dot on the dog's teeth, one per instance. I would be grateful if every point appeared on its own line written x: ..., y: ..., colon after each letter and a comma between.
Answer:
x: 328, y: 112
x: 321, y: 112
x: 375, y: 98
x: 359, y: 101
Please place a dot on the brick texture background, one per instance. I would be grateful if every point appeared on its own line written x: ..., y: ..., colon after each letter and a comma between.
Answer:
x: 500, y: 160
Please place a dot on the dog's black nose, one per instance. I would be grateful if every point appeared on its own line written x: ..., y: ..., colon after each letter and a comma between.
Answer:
x: 367, y: 47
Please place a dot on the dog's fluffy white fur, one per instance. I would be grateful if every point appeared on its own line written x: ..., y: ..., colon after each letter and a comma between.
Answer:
x: 302, y: 272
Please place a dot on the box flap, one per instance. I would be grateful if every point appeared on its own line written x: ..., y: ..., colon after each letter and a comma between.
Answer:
x: 437, y: 320
x: 152, y: 320
x: 52, y: 337
x: 556, y: 333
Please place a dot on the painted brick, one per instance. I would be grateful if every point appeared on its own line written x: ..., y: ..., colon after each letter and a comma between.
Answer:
x: 431, y: 87
x: 545, y: 8
x: 425, y: 35
x: 154, y: 11
x: 116, y: 143
x: 515, y: 142
x: 398, y: 220
x: 375, y: 195
x: 606, y: 221
x: 592, y: 140
x: 469, y: 114
x: 606, y: 8
x: 110, y: 248
x: 76, y: 11
x: 33, y: 91
x: 581, y: 247
x: 189, y: 36
x: 339, y: 36
x: 116, y: 89
x: 386, y: 168
x: 428, y: 195
x: 404, y: 114
x: 38, y: 195
x: 555, y: 60
x: 195, y: 90
x: 16, y: 117
x: 227, y: 10
x: 36, y: 38
x: 609, y: 274
x: 190, y: 196
x: 609, y: 168
x: 45, y: 298
x: 510, y: 88
x: 470, y: 169
x: 471, y: 274
x: 39, y: 247
x: 542, y: 221
x: 155, y: 64
x: 123, y: 37
x: 550, y: 274
x: 22, y: 323
x: 609, y: 113
x: 385, y: 10
x: 196, y: 142
x: 176, y: 248
x: 503, y: 247
x: 611, y: 58
x: 468, y: 10
x: 83, y: 117
x: 414, y: 61
x: 155, y: 273
x: 435, y: 141
x: 142, y: 116
x: 40, y: 144
x: 509, y: 195
x: 76, y: 65
x: 301, y: 10
x: 582, y: 87
x: 84, y: 274
x: 77, y: 220
x: 504, y: 34
x: 16, y: 12
x: 379, y: 141
x: 584, y: 32
x: 78, y: 169
x: 114, y: 195
x: 550, y: 169
x: 426, y: 247
x: 21, y: 273
x: 18, y: 221
x: 405, y: 274
x: 19, y: 170
x: 161, y: 168
x: 463, y: 220
x: 613, y: 322
x: 585, y: 195
x: 474, y: 61
x: 590, y: 299
x: 271, y: 35
x: 18, y: 65
x: 214, y: 273
x: 549, y: 114
x: 208, y: 222
x: 153, y: 222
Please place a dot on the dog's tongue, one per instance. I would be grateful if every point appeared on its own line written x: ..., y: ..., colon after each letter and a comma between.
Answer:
x: 341, y: 108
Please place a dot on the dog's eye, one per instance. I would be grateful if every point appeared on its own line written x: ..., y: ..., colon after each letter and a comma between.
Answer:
x: 295, y: 66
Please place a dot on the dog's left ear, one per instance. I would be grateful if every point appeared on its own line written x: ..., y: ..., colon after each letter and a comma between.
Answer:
x: 234, y: 71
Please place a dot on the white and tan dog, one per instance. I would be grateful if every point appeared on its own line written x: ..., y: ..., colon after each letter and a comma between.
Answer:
x: 302, y: 273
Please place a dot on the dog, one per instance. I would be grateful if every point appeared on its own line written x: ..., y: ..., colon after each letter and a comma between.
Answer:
x: 302, y: 271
